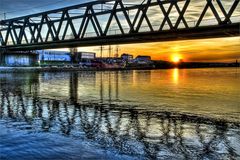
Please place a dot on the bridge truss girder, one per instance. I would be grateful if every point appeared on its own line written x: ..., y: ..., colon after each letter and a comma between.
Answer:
x: 63, y: 26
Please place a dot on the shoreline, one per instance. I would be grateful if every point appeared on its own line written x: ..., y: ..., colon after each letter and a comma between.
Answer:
x: 72, y: 69
x: 61, y: 69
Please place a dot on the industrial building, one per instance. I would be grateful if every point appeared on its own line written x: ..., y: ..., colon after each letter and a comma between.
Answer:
x: 16, y: 59
x: 127, y: 57
x: 49, y: 56
x: 143, y: 59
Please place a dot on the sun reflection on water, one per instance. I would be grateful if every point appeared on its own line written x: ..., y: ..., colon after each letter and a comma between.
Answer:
x: 175, y: 75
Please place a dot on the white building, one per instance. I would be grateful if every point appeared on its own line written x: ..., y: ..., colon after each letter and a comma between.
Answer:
x: 56, y: 56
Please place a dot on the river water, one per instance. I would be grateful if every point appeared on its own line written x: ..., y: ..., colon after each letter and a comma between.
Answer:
x: 139, y: 114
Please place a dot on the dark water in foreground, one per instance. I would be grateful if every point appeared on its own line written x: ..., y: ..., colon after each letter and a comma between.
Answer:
x: 158, y: 114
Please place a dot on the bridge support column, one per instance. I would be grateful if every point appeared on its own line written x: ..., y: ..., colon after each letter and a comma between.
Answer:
x: 73, y: 87
x: 2, y: 58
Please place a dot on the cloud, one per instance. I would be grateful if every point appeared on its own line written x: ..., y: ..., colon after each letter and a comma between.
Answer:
x: 191, y: 50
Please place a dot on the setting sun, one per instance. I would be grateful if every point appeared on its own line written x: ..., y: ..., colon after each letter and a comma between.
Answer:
x: 176, y: 58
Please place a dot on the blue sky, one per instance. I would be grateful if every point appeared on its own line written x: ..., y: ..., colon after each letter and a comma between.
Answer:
x: 15, y: 8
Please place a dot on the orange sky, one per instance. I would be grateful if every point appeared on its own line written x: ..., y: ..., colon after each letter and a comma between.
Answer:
x: 206, y: 50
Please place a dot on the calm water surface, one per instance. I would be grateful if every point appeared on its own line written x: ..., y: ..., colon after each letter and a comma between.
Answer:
x: 150, y: 114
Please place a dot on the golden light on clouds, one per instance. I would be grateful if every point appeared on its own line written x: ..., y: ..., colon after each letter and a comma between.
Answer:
x: 218, y: 49
x: 204, y: 50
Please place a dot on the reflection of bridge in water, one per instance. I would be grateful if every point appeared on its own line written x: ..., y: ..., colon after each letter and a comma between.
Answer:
x: 128, y: 130
x: 105, y: 84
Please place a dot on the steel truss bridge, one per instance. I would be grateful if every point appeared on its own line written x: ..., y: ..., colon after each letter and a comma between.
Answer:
x: 106, y: 22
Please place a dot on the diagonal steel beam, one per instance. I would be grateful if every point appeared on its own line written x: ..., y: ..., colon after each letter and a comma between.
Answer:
x: 34, y: 39
x: 232, y: 9
x: 65, y: 31
x: 181, y: 14
x: 126, y: 15
x: 166, y: 14
x: 110, y: 18
x: 222, y: 9
x: 136, y: 18
x: 144, y: 15
x: 60, y: 25
x: 119, y: 24
x: 1, y: 39
x: 8, y: 32
x: 13, y: 40
x: 209, y: 2
x: 202, y: 15
x: 71, y: 25
x: 22, y: 31
x: 94, y: 26
x: 25, y: 36
x: 49, y: 26
x: 85, y: 28
x: 96, y: 21
x: 39, y: 29
x: 14, y: 32
x: 83, y: 22
x: 54, y: 30
x: 32, y: 31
